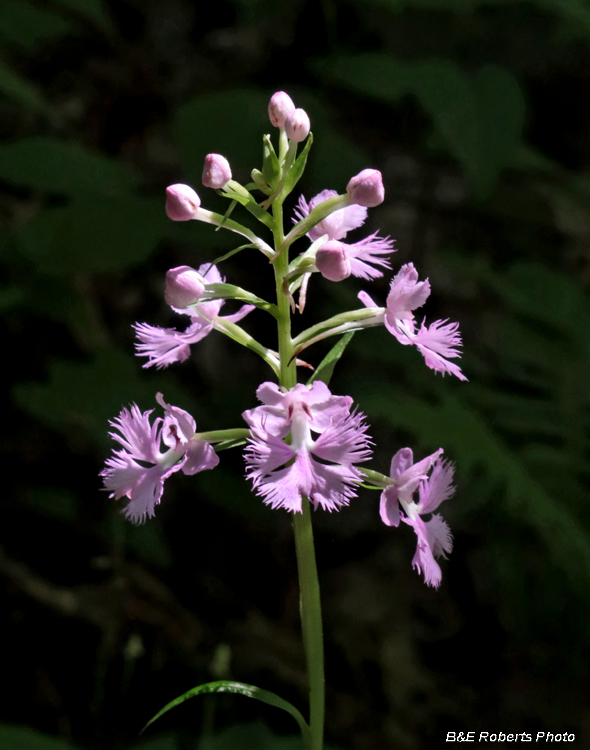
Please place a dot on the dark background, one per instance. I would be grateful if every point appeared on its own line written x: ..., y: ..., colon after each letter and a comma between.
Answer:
x: 478, y: 115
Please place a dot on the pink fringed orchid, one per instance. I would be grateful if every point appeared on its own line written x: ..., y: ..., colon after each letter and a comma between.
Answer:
x: 281, y: 471
x: 162, y: 346
x: 362, y: 256
x: 126, y: 473
x: 437, y: 342
x: 434, y: 536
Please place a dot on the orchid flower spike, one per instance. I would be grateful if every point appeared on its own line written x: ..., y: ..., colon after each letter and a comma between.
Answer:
x: 139, y: 469
x: 434, y: 536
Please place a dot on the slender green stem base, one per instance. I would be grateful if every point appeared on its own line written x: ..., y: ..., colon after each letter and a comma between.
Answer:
x: 311, y: 621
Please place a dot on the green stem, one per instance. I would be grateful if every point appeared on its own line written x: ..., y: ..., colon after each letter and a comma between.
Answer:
x: 378, y: 479
x: 337, y: 321
x: 210, y: 217
x: 218, y: 436
x: 311, y: 621
x: 310, y: 604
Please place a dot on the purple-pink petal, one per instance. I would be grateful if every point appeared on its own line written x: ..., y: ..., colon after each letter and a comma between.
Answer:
x: 423, y: 560
x: 344, y: 441
x: 400, y: 462
x: 438, y: 488
x: 237, y: 316
x: 438, y: 341
x: 368, y: 253
x: 406, y: 293
x: 337, y: 224
x: 389, y: 506
x: 138, y: 438
x: 163, y: 346
x: 200, y: 456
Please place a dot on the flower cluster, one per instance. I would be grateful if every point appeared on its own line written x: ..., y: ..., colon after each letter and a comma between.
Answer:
x: 302, y: 443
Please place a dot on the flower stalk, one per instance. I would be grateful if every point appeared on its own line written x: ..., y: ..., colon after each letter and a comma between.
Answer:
x: 309, y: 587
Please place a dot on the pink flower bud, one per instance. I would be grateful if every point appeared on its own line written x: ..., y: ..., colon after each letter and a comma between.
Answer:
x: 181, y: 202
x: 184, y: 286
x: 332, y: 261
x: 216, y: 171
x: 279, y: 108
x: 297, y: 125
x: 366, y: 188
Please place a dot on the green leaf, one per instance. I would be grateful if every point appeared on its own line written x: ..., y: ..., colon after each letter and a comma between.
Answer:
x: 27, y: 25
x: 271, y: 169
x: 239, y: 688
x: 294, y: 174
x: 21, y: 92
x: 480, y: 118
x: 93, y: 234
x: 24, y: 738
x: 326, y: 367
x: 57, y: 166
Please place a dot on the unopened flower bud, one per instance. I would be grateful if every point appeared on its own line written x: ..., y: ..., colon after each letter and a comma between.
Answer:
x: 181, y: 202
x: 332, y: 261
x: 279, y: 108
x: 216, y: 171
x: 297, y: 126
x: 184, y: 286
x: 366, y: 188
